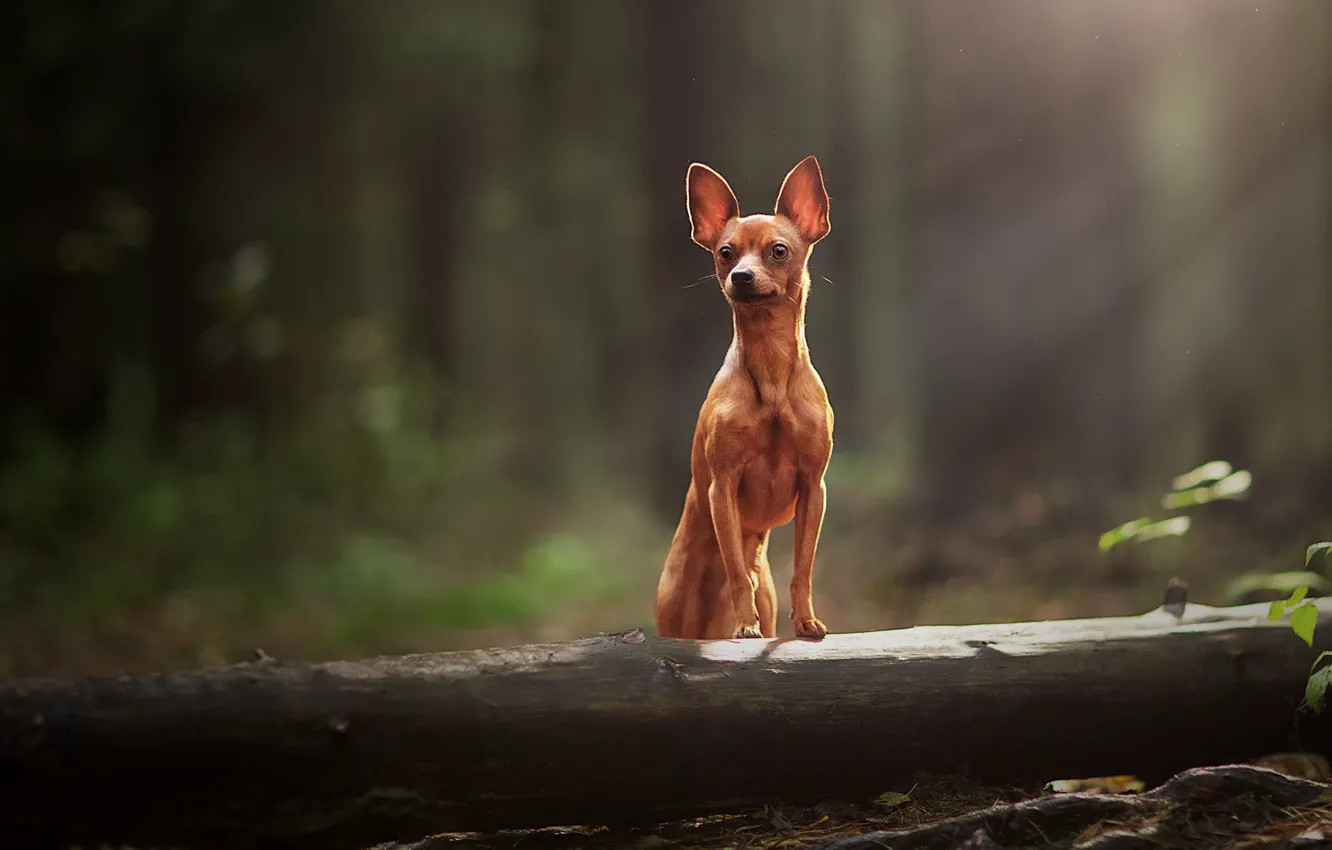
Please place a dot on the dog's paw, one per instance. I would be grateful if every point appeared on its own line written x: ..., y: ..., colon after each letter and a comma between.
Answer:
x: 811, y: 628
x: 748, y: 631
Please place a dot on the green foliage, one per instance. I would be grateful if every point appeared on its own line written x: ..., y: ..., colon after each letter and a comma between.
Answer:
x: 1207, y: 483
x: 1218, y: 480
x: 1229, y: 485
x: 1314, y: 549
x: 1275, y: 612
x: 1285, y: 583
x: 1214, y: 470
x: 1144, y: 529
x: 1315, y: 690
x: 354, y: 537
x: 385, y: 594
x: 1303, y: 621
x: 1249, y: 584
x: 1303, y: 614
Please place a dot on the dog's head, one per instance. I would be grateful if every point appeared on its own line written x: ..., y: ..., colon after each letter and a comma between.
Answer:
x: 761, y: 259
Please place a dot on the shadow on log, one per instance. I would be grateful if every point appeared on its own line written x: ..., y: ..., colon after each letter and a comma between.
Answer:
x: 624, y: 729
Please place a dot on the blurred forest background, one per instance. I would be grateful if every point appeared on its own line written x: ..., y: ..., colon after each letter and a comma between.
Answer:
x: 338, y: 327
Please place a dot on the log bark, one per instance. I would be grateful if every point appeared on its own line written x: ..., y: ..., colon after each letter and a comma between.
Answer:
x: 627, y: 728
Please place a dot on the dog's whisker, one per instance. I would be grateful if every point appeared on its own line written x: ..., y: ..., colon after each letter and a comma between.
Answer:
x: 703, y: 279
x: 827, y: 279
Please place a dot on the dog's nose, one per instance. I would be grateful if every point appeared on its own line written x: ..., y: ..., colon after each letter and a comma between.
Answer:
x: 742, y: 278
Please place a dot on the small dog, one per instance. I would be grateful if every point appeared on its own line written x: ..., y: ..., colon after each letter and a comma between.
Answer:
x: 764, y: 433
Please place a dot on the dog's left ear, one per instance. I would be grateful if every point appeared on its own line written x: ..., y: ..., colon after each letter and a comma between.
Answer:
x: 804, y: 200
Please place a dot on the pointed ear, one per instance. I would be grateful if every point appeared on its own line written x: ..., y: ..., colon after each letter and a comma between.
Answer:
x: 710, y: 202
x: 804, y: 200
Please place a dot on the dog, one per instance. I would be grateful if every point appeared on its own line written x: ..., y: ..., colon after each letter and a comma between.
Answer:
x: 764, y: 433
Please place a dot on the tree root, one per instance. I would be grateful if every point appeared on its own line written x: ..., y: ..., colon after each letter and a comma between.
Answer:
x: 1044, y: 821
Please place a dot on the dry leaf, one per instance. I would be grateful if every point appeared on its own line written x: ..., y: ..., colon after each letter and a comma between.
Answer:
x: 777, y: 818
x: 892, y: 799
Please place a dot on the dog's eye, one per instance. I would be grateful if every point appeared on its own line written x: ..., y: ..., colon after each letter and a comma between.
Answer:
x: 725, y: 253
x: 779, y: 251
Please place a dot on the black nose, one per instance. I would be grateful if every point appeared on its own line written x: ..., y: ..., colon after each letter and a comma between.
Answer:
x: 742, y: 278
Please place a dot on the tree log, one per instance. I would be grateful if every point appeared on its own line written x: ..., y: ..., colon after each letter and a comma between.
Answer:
x: 632, y: 729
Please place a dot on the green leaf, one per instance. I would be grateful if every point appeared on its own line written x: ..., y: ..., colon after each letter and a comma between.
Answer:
x: 1233, y: 486
x: 1276, y: 610
x: 1212, y: 471
x: 1298, y: 596
x: 1185, y: 499
x: 1314, y: 549
x: 1316, y: 689
x: 1303, y: 619
x: 1282, y: 583
x: 1175, y: 526
x: 1120, y: 533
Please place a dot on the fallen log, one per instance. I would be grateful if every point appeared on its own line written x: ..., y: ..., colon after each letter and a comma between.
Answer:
x: 627, y: 728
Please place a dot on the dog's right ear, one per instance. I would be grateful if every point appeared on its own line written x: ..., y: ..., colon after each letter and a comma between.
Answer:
x: 710, y: 202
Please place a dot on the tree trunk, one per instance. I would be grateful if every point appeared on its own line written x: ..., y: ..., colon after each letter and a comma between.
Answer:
x: 691, y: 330
x: 627, y: 728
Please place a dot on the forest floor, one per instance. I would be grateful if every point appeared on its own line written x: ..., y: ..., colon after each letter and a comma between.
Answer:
x: 1208, y: 809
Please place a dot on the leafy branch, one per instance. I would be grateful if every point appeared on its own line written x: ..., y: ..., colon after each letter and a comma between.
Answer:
x: 1210, y: 482
x: 1303, y: 614
x: 1218, y: 480
x: 1303, y: 619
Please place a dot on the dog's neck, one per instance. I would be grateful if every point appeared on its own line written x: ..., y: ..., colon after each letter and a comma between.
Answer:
x: 770, y: 343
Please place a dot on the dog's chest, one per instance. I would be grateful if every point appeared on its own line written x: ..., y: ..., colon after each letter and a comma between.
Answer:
x: 769, y: 481
x: 776, y: 431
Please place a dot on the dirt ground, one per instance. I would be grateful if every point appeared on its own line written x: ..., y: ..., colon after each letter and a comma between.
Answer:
x: 1287, y: 803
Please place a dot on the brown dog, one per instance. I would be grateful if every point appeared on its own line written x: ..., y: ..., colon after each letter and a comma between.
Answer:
x: 764, y: 434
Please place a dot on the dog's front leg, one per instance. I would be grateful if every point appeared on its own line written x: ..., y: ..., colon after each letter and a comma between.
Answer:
x: 810, y: 500
x: 723, y: 498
